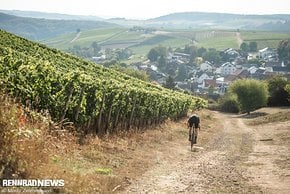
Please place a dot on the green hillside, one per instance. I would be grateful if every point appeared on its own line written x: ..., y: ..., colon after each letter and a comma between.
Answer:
x: 50, y: 16
x: 85, y: 38
x: 87, y: 94
x: 41, y: 29
x: 138, y: 41
x: 264, y: 39
x: 141, y: 42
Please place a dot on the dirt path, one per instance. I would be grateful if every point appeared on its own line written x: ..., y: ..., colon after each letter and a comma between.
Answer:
x: 236, y: 159
x: 76, y: 37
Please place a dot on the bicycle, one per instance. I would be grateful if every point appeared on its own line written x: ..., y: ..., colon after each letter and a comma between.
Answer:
x: 193, y: 139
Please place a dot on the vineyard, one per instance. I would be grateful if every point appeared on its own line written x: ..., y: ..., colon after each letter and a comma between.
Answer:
x: 96, y: 99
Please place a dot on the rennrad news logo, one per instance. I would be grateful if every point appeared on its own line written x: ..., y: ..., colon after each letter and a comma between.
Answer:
x: 31, y: 183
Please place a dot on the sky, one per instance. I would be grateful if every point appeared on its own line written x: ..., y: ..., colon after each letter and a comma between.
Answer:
x: 145, y: 9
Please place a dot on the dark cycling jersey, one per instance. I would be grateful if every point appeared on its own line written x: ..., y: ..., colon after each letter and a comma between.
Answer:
x: 194, y: 119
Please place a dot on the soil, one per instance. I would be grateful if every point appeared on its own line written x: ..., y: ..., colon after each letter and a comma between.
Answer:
x: 231, y: 156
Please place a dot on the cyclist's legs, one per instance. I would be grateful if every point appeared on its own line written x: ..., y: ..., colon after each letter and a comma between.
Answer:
x: 195, y: 128
x: 190, y: 132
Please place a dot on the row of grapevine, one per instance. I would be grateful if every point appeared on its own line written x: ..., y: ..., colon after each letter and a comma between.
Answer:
x: 93, y: 97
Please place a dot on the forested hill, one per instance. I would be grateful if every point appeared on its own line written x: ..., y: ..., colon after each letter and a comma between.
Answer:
x: 82, y: 92
x: 50, y: 16
x: 40, y: 29
x: 279, y: 22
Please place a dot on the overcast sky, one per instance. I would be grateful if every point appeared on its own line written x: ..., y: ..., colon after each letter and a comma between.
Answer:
x: 144, y: 9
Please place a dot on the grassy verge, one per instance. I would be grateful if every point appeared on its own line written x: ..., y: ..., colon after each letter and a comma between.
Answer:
x: 259, y: 118
x: 39, y: 149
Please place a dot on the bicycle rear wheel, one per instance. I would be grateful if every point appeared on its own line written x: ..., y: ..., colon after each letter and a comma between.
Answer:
x: 193, y: 138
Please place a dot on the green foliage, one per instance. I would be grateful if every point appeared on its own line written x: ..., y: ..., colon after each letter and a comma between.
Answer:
x: 132, y: 72
x: 96, y: 47
x: 254, y: 61
x: 80, y: 91
x: 212, y: 55
x: 182, y: 73
x: 153, y: 55
x: 86, y: 52
x: 251, y: 94
x: 40, y: 29
x: 287, y: 89
x: 284, y: 50
x: 253, y: 46
x: 157, y: 52
x: 244, y: 47
x: 278, y: 94
x: 229, y: 103
x: 170, y: 83
x: 201, y: 51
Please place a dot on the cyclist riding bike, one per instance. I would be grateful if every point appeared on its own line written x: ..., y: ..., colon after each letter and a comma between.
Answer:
x: 193, y: 123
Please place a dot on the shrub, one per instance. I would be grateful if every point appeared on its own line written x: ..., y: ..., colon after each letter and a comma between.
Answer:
x: 277, y: 90
x: 287, y: 88
x: 251, y: 94
x: 229, y: 103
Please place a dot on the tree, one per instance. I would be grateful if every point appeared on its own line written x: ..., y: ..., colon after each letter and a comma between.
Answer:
x: 191, y: 50
x: 156, y: 52
x: 244, y: 47
x: 153, y: 55
x: 278, y: 94
x: 162, y: 62
x: 284, y: 51
x: 229, y: 103
x: 182, y: 73
x: 200, y: 51
x: 198, y: 60
x: 253, y: 46
x: 96, y: 47
x: 251, y: 94
x: 123, y: 53
x: 287, y: 89
x: 169, y: 83
x: 255, y: 61
x: 212, y: 56
x: 162, y: 51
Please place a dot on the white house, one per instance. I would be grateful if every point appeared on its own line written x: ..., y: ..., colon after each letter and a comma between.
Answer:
x: 232, y: 52
x: 252, y: 69
x: 228, y: 68
x: 203, y: 77
x: 268, y: 54
x: 206, y: 66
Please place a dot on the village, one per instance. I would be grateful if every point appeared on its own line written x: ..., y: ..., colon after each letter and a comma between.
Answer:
x: 209, y: 78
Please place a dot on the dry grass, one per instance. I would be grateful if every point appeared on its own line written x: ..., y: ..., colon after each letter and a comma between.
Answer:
x: 96, y: 165
x: 264, y: 116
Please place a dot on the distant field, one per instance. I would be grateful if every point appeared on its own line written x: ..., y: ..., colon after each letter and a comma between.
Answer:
x: 264, y: 39
x: 140, y: 42
x: 219, y: 40
x: 85, y: 39
x: 159, y: 40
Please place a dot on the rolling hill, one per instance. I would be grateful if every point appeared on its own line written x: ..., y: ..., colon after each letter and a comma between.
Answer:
x: 40, y: 29
x: 279, y: 22
x: 50, y: 16
x: 183, y: 20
